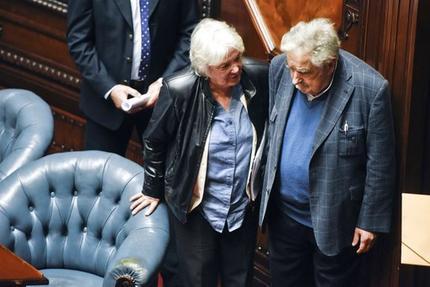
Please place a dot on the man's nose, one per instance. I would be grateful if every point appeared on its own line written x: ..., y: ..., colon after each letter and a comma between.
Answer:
x: 296, y: 78
x: 236, y: 68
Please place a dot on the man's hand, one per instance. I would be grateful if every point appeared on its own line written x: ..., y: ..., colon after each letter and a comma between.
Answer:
x: 366, y: 239
x: 154, y: 92
x: 140, y: 201
x: 120, y: 93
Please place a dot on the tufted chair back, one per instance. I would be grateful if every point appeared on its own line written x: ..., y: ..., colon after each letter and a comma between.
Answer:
x: 26, y: 129
x: 71, y: 211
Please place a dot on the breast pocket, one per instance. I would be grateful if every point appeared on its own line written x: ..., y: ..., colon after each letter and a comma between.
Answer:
x: 351, y: 142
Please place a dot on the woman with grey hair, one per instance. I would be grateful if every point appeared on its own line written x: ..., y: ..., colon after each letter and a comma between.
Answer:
x: 199, y: 150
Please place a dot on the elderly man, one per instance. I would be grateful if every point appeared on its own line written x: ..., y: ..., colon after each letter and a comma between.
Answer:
x: 329, y: 176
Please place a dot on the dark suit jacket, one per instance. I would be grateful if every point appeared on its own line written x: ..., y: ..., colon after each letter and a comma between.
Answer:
x: 351, y: 174
x: 100, y: 38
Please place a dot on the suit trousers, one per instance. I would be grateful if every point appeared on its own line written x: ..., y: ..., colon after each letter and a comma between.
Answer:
x: 98, y: 137
x: 296, y: 261
x: 207, y: 257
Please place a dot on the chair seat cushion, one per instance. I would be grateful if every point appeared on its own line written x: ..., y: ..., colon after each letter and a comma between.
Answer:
x: 71, y: 278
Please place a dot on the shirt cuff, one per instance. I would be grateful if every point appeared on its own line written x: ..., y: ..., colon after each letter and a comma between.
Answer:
x: 106, y: 96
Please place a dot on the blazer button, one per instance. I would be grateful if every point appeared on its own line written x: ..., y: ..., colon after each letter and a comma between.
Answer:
x: 125, y: 82
x: 130, y: 36
x: 128, y: 59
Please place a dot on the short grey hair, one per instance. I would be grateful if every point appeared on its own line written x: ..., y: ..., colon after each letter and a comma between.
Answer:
x: 211, y: 41
x: 317, y: 38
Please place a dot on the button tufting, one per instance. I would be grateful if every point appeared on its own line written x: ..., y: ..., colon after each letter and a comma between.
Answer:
x: 31, y: 208
x: 12, y: 228
x: 84, y: 229
x: 75, y: 193
x: 52, y: 194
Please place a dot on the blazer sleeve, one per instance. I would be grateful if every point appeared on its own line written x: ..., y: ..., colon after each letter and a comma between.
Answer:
x: 376, y: 208
x: 81, y: 42
x: 189, y: 18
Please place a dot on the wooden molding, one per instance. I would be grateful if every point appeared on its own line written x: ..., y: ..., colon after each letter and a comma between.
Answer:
x: 53, y: 5
x: 68, y: 131
x: 351, y: 16
x: 262, y: 29
x: 28, y: 63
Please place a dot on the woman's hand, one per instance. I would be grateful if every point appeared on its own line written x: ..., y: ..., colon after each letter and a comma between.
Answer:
x: 140, y: 201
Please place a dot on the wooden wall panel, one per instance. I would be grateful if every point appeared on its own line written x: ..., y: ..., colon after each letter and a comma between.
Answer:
x: 33, y: 51
x: 234, y: 13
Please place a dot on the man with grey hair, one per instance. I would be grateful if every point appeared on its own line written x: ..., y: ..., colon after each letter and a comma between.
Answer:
x: 329, y: 174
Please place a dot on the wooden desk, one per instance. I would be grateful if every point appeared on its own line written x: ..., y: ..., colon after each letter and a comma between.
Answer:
x: 16, y: 272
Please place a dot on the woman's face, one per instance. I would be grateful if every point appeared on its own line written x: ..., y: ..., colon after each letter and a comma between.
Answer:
x: 226, y: 74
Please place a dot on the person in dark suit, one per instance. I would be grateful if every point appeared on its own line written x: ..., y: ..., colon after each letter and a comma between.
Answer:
x: 330, y: 168
x: 123, y: 48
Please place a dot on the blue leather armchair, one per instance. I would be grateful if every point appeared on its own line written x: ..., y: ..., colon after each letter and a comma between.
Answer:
x: 26, y: 129
x: 68, y: 215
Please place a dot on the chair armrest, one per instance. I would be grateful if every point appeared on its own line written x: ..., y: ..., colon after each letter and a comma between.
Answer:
x: 141, y: 253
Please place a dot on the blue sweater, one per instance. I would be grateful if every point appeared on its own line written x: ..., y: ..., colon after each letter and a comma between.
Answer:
x: 299, y: 133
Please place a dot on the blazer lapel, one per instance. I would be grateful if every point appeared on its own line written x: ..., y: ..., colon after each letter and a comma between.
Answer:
x: 282, y: 104
x: 124, y: 7
x: 337, y: 99
x: 152, y: 5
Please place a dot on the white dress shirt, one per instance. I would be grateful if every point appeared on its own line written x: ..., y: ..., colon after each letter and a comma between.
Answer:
x: 137, y: 42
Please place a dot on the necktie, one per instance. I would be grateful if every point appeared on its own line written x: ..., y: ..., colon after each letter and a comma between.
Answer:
x: 146, y: 40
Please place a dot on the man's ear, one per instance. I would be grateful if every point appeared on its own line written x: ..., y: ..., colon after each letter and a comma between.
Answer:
x: 331, y: 65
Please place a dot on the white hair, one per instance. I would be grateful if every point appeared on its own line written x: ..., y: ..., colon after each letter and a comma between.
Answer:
x: 211, y: 41
x: 317, y: 38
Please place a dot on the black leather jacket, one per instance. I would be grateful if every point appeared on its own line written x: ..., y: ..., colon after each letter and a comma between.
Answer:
x: 174, y: 141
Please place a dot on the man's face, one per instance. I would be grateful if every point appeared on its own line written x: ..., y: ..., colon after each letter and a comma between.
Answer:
x: 227, y: 73
x: 306, y: 77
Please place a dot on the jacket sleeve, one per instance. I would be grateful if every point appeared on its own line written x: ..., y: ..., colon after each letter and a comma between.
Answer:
x: 159, y: 133
x: 81, y: 42
x: 376, y: 207
x: 188, y: 20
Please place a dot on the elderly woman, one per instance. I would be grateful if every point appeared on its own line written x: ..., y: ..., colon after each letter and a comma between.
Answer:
x: 199, y: 151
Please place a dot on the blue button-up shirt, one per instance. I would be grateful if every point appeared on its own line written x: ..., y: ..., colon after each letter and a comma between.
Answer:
x: 230, y: 148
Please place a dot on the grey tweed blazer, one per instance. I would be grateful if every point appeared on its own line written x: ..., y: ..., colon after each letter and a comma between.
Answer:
x: 352, y: 173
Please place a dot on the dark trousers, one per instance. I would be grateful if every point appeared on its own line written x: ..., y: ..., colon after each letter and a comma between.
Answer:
x: 296, y: 261
x: 206, y: 256
x: 98, y: 137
